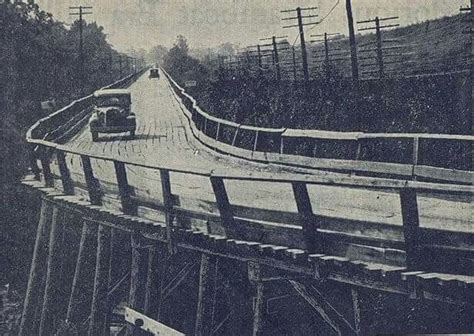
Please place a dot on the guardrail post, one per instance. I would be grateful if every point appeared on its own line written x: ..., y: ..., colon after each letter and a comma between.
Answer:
x: 222, y: 199
x: 411, y: 226
x: 128, y: 206
x: 33, y: 297
x: 34, y: 164
x: 235, y: 136
x: 101, y: 282
x: 255, y: 142
x: 51, y: 305
x: 282, y: 145
x: 168, y: 203
x: 68, y: 185
x: 207, y: 287
x: 93, y: 187
x: 218, y: 130
x: 416, y: 146
x: 307, y: 218
x: 45, y: 165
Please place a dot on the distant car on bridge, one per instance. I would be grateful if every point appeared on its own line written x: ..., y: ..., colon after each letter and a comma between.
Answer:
x: 154, y: 73
x: 112, y: 113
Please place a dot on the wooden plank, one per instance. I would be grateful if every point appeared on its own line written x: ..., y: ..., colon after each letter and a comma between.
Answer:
x: 68, y: 184
x: 128, y: 206
x: 148, y: 324
x: 99, y: 303
x: 93, y: 187
x: 33, y: 297
x: 51, y: 302
x: 207, y: 288
x: 411, y: 226
x: 444, y: 174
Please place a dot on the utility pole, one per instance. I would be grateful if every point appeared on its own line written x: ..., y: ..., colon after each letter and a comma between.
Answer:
x: 81, y: 11
x: 379, y: 42
x: 275, y: 50
x: 352, y: 41
x: 295, y: 77
x: 327, y: 51
x: 300, y: 27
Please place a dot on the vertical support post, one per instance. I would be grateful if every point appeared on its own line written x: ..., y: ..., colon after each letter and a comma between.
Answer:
x: 93, y: 186
x: 155, y: 276
x: 45, y: 165
x: 53, y: 275
x: 83, y: 281
x: 255, y: 142
x: 136, y: 298
x: 411, y: 226
x: 416, y: 147
x: 168, y: 203
x: 222, y: 199
x: 254, y: 273
x: 68, y: 185
x: 207, y: 288
x: 218, y: 130
x: 113, y: 268
x: 37, y: 271
x: 276, y: 59
x: 379, y: 47
x: 235, y: 136
x: 305, y: 210
x: 282, y: 145
x: 360, y: 319
x: 303, y: 45
x: 353, y: 43
x: 128, y: 206
x: 99, y: 304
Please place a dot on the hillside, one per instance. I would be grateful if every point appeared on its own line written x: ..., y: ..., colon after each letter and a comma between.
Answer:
x: 428, y: 47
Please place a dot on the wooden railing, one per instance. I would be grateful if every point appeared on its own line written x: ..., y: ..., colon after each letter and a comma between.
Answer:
x: 406, y: 155
x: 417, y: 243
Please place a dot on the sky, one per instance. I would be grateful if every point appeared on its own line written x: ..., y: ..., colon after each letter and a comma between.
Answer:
x: 208, y: 23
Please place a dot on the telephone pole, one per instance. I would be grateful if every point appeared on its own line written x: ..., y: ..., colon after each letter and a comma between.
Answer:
x: 81, y: 11
x: 352, y: 41
x: 327, y: 51
x: 379, y: 48
x: 299, y: 17
x: 275, y: 50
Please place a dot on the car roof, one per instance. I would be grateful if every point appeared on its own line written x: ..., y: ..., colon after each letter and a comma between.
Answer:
x: 111, y: 92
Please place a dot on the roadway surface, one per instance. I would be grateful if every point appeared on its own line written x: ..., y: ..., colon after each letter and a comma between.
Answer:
x: 164, y: 137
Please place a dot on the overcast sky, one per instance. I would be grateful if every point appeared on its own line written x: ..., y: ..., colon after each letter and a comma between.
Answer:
x: 207, y: 23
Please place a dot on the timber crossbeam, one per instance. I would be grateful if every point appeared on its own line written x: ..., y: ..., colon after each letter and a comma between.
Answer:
x: 443, y: 287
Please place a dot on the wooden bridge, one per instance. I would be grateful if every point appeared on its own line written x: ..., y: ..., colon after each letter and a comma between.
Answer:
x: 206, y: 227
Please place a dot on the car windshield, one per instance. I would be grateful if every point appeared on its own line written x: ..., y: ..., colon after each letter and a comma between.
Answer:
x: 112, y: 101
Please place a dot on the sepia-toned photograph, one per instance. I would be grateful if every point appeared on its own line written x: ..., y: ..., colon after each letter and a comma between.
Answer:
x: 236, y: 167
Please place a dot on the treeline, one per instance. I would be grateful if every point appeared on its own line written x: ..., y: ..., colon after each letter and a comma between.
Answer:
x: 432, y: 103
x: 39, y: 62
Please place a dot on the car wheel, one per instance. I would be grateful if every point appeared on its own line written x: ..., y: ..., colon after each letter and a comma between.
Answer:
x: 95, y: 136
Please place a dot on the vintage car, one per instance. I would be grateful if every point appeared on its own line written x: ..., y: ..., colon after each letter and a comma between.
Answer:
x: 112, y: 113
x: 154, y: 73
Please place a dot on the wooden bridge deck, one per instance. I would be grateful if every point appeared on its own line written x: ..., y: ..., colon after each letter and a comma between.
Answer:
x: 164, y: 138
